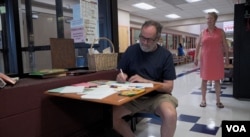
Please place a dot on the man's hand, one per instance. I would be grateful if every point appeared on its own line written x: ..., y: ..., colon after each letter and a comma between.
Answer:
x: 121, y: 77
x: 137, y: 78
x: 167, y: 85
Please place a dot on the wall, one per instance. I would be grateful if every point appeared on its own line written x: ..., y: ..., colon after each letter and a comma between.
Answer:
x: 124, y: 26
x: 192, y: 29
x: 185, y: 26
x: 125, y: 19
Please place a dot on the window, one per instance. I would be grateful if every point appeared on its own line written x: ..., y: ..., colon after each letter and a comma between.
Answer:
x: 134, y: 35
x: 29, y: 45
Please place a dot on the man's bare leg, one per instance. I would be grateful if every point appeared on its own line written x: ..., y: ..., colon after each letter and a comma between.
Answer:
x: 119, y: 124
x: 168, y: 115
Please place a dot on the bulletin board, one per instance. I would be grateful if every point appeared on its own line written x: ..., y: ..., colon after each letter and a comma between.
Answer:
x: 62, y: 53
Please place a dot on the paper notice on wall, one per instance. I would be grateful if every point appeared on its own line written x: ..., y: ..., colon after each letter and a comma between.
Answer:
x: 228, y: 26
x: 76, y: 11
x: 76, y: 23
x: 89, y: 12
x: 77, y: 34
x: 77, y: 30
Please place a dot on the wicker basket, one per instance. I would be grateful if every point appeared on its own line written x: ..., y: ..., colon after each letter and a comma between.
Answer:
x: 102, y: 61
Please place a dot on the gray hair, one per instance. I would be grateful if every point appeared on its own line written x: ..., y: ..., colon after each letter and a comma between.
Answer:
x: 156, y: 24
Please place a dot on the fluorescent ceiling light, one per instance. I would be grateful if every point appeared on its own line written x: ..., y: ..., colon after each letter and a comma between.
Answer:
x: 191, y: 1
x: 210, y: 10
x: 172, y: 16
x: 144, y: 6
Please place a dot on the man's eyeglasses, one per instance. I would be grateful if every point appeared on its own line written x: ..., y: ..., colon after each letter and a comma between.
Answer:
x: 149, y: 40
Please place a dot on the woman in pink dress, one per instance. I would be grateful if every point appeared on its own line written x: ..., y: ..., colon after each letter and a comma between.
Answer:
x: 213, y: 46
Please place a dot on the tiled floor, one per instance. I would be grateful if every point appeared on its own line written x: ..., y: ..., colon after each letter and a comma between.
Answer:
x: 194, y: 121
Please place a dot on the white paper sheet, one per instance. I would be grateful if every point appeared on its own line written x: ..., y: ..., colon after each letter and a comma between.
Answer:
x: 72, y: 89
x: 98, y: 93
x: 68, y: 89
x: 141, y: 85
x: 129, y: 84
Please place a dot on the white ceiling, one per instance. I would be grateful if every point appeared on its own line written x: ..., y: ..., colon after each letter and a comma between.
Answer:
x: 164, y: 7
x: 179, y: 7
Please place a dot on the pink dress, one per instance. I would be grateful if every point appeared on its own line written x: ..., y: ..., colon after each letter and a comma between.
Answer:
x: 212, y: 57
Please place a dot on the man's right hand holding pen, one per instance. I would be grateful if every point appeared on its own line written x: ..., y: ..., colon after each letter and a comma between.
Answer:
x: 121, y: 77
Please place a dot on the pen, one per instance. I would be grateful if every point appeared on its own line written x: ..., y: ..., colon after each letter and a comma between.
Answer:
x: 122, y: 73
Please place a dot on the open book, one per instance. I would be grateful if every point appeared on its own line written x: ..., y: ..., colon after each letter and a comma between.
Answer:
x: 48, y: 73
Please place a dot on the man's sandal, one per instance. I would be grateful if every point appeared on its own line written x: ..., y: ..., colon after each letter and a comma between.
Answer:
x: 220, y: 105
x: 203, y: 104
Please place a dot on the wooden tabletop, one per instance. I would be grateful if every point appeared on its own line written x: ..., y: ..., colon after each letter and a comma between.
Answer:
x: 114, y: 99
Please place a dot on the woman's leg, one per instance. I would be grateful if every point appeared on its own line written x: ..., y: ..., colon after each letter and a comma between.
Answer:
x: 218, y: 92
x: 203, y: 93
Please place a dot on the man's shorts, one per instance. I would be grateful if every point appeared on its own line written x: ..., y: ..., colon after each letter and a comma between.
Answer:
x: 150, y: 103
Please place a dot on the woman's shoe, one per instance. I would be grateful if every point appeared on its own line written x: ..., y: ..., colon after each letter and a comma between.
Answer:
x: 219, y: 105
x: 203, y: 104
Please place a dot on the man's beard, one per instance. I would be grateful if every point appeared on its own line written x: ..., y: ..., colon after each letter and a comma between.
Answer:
x: 149, y: 48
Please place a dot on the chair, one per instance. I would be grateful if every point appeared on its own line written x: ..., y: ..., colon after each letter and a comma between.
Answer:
x: 181, y: 59
x: 62, y: 53
x: 134, y: 118
x: 189, y: 58
x: 175, y: 59
x: 228, y: 74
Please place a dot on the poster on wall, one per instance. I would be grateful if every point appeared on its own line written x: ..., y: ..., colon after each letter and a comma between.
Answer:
x: 76, y: 25
x: 228, y: 26
x: 78, y: 34
x: 77, y: 30
x: 85, y: 23
x: 89, y: 12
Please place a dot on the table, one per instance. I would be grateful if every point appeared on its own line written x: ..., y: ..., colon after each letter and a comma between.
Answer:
x: 229, y: 66
x: 114, y: 99
x: 108, y: 102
